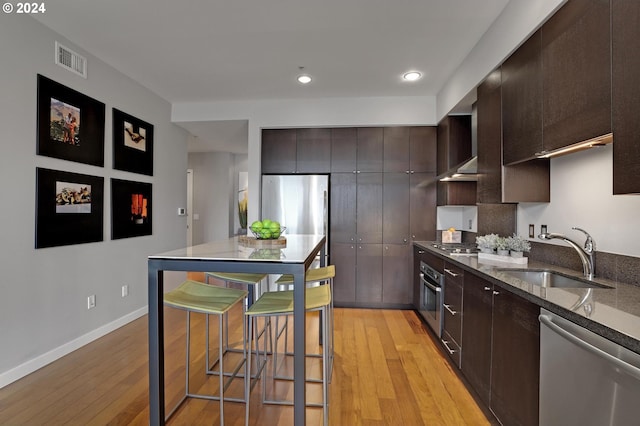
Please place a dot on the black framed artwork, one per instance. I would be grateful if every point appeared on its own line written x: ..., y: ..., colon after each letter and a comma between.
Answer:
x: 69, y: 208
x: 132, y: 144
x: 70, y: 124
x: 131, y: 209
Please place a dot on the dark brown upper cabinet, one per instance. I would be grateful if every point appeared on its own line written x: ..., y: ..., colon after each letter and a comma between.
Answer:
x: 576, y: 52
x: 357, y: 149
x: 296, y: 151
x: 279, y: 151
x: 422, y: 149
x: 396, y: 149
x: 313, y: 150
x: 344, y: 149
x: 625, y: 37
x: 489, y: 112
x: 454, y: 141
x: 410, y: 149
x: 522, y: 102
x: 370, y: 149
x: 527, y: 181
x: 454, y: 147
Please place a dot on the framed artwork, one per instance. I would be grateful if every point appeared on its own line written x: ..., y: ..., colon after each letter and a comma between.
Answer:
x: 131, y: 209
x: 132, y: 144
x: 69, y: 208
x: 70, y: 124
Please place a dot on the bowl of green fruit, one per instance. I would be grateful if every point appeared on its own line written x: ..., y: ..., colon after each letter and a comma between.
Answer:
x: 267, y: 229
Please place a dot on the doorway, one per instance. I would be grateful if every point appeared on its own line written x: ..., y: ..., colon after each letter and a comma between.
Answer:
x: 189, y: 207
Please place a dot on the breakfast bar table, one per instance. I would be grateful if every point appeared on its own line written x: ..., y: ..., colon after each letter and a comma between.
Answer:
x: 232, y: 255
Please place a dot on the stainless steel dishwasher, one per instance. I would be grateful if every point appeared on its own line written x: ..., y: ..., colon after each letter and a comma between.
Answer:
x: 585, y: 379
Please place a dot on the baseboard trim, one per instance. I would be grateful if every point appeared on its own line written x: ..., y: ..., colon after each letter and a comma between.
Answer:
x: 34, y: 364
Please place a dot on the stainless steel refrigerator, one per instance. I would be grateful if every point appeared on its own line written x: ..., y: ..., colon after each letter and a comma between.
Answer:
x: 299, y: 202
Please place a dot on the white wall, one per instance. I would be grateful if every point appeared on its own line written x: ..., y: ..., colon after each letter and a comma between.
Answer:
x: 518, y: 20
x: 412, y: 110
x: 43, y: 305
x: 213, y: 186
x: 582, y: 196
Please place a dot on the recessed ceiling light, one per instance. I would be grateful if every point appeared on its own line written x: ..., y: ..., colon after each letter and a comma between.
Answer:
x: 412, y: 76
x: 304, y: 79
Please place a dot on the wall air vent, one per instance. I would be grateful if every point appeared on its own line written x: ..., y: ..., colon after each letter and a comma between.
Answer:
x: 70, y: 60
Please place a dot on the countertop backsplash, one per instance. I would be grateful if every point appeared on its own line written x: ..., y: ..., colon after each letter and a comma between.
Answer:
x: 615, y: 267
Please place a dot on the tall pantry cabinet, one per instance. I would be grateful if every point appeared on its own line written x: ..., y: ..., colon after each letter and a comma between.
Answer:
x: 382, y: 198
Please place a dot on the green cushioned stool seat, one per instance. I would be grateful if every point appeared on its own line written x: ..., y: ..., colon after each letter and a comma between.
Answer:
x: 313, y: 275
x: 240, y: 278
x: 199, y: 297
x: 281, y: 302
x: 193, y: 296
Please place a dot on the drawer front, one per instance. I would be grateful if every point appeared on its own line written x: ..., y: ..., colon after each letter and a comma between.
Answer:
x: 452, y: 348
x: 452, y: 310
x: 453, y: 274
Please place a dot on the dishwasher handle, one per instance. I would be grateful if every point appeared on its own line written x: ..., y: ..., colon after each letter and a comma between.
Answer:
x: 617, y: 362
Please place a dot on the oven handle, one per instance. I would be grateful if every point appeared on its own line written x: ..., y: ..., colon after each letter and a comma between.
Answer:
x: 428, y: 284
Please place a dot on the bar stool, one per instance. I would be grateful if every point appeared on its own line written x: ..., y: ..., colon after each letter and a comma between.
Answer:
x: 316, y: 275
x: 252, y: 283
x: 279, y: 303
x: 193, y: 296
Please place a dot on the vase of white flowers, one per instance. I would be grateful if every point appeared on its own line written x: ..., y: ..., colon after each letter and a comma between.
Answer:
x: 487, y: 243
x: 517, y: 245
x: 502, y: 248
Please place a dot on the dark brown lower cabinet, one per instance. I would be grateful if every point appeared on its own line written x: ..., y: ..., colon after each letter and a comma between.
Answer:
x: 343, y: 257
x: 476, y: 334
x: 359, y: 274
x: 396, y: 275
x: 501, y: 350
x: 368, y: 274
x: 515, y: 360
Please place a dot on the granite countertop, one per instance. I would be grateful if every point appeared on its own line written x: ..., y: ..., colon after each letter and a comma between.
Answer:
x: 612, y: 312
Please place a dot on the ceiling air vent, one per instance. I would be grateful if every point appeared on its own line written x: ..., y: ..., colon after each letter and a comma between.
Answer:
x: 70, y: 60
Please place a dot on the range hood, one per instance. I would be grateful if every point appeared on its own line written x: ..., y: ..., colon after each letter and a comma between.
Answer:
x: 465, y: 171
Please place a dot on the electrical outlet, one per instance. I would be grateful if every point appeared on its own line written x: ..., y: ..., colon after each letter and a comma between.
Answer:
x: 91, y: 301
x: 125, y: 290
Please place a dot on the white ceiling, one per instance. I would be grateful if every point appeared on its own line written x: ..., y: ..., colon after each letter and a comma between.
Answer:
x: 214, y: 50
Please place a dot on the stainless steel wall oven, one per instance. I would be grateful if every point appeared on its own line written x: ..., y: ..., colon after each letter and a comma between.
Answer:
x: 431, y: 294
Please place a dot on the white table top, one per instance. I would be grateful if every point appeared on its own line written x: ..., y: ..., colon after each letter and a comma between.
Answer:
x: 297, y: 250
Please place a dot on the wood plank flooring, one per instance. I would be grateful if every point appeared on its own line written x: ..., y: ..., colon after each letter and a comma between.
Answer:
x: 387, y: 371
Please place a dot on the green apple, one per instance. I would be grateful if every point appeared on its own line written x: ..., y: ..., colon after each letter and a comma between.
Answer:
x: 265, y: 234
x: 256, y: 226
x: 274, y: 227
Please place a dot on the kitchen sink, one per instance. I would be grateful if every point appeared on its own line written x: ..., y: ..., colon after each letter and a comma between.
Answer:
x: 548, y: 278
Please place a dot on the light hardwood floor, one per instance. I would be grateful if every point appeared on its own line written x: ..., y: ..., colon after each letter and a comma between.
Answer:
x: 387, y: 371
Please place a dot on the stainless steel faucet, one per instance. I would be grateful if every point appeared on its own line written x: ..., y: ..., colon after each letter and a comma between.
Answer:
x: 586, y: 254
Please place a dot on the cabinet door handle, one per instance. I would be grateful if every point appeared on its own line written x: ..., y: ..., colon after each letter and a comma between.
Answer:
x: 407, y: 171
x: 453, y: 274
x: 404, y: 239
x: 496, y: 293
x: 487, y: 289
x: 412, y: 172
x: 452, y: 312
x: 420, y: 251
x: 358, y: 171
x: 354, y: 172
x: 446, y: 345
